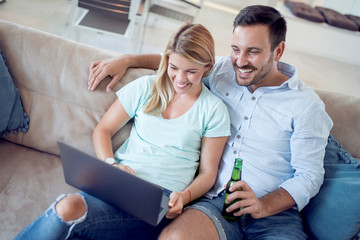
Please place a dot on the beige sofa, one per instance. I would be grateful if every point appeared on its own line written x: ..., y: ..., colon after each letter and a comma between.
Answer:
x: 51, y: 74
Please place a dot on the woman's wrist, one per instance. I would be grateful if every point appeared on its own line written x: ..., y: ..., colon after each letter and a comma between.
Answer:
x: 186, y: 196
x: 110, y: 160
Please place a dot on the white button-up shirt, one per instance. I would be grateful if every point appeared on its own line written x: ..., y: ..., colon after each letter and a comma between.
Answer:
x: 279, y: 132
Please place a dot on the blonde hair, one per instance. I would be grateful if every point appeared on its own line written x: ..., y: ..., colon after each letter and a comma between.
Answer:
x: 195, y: 43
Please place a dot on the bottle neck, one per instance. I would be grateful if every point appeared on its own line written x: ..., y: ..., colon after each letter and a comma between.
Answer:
x: 236, y: 174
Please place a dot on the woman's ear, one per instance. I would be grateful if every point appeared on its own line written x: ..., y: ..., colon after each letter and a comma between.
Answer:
x: 207, y: 69
x: 210, y: 65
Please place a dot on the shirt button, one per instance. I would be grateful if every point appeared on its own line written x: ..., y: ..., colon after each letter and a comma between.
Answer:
x: 253, y: 98
x: 238, y: 136
x: 246, y: 118
x: 227, y: 94
x: 234, y: 152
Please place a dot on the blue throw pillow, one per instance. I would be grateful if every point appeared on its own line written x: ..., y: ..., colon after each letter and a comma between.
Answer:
x: 334, y: 213
x: 12, y: 117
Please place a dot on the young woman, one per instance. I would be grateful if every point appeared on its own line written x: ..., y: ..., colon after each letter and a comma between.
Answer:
x: 175, y: 116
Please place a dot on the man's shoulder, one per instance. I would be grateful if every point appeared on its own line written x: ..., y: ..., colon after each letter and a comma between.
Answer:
x: 222, y: 62
x: 223, y: 70
x: 307, y: 92
x: 299, y: 90
x: 306, y: 99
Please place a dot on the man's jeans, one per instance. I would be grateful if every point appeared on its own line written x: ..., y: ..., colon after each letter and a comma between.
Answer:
x: 286, y: 225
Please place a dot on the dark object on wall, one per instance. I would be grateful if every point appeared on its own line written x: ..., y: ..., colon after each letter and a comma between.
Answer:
x: 2, y: 1
x: 355, y: 19
x: 305, y: 11
x: 337, y: 19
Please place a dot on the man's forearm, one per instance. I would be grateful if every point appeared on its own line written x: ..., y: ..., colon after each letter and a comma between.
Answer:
x: 148, y: 61
x: 276, y: 202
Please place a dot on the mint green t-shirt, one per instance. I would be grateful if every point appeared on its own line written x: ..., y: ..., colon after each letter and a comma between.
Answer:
x: 167, y: 151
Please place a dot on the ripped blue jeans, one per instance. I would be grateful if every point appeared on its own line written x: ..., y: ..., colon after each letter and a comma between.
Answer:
x: 101, y: 221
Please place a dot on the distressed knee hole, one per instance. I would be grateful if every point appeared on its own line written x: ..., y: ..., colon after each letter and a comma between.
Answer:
x: 71, y: 207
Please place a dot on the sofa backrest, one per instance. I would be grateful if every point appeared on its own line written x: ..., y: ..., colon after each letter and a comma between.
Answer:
x: 51, y: 75
x: 344, y: 110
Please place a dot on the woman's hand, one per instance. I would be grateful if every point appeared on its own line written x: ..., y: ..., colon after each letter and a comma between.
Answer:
x: 124, y: 168
x: 176, y: 204
x: 113, y: 67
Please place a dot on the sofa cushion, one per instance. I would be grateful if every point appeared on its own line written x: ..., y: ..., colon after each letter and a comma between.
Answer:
x: 12, y: 117
x: 337, y: 19
x: 334, y: 213
x: 30, y: 181
x: 305, y: 11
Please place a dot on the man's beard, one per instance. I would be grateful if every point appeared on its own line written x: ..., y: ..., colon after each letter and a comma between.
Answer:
x: 265, y: 70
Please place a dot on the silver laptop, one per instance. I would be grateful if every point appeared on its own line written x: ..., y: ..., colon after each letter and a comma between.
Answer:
x: 132, y: 194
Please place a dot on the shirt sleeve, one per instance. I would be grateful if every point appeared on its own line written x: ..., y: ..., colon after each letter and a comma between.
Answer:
x: 308, y: 142
x: 134, y: 95
x: 219, y: 122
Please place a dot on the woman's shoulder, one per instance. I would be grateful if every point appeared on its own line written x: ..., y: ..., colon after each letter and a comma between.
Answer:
x: 142, y: 83
x: 139, y: 88
x: 215, y: 115
x: 146, y: 79
x: 209, y: 96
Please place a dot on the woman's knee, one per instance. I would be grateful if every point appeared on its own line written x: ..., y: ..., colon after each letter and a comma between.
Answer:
x: 191, y: 224
x: 170, y: 233
x: 71, y: 207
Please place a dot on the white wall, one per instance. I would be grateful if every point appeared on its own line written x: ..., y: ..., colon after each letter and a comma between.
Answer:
x: 344, y: 6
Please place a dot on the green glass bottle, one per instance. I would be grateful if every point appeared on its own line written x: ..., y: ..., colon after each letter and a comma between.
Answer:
x: 235, y: 176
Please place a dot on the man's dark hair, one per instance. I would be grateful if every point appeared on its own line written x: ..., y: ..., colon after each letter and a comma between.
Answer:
x: 259, y: 14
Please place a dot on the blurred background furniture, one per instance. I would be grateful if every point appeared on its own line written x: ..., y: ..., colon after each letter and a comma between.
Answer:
x: 321, y: 38
x: 180, y: 11
x: 116, y: 17
x: 304, y: 11
x: 336, y: 19
x: 129, y: 19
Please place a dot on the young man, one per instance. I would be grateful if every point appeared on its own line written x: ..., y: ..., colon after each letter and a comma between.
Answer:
x: 279, y: 128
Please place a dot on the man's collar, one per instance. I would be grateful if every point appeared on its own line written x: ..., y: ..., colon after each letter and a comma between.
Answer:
x: 291, y: 72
